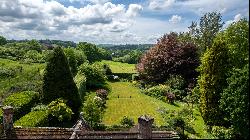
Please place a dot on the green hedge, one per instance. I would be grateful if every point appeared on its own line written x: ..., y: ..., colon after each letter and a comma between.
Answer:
x: 22, y: 102
x: 33, y: 119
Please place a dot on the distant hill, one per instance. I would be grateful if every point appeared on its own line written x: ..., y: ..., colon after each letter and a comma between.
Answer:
x: 141, y: 47
x: 49, y: 43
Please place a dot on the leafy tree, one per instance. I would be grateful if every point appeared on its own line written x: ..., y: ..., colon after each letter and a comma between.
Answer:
x: 91, y: 112
x: 235, y: 101
x: 2, y: 40
x: 210, y: 24
x: 132, y: 57
x: 236, y: 37
x: 35, y: 45
x: 58, y: 81
x: 80, y: 57
x: 212, y: 81
x: 91, y: 51
x: 168, y: 56
x: 95, y: 75
x: 33, y: 55
x: 106, y: 55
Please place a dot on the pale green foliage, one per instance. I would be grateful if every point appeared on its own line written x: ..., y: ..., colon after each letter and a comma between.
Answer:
x: 179, y: 120
x: 60, y: 110
x: 95, y: 74
x: 80, y: 81
x: 127, y: 121
x: 158, y: 91
x: 221, y: 132
x: 33, y: 56
x: 39, y: 107
x: 236, y: 37
x: 91, y: 112
x: 36, y: 118
x: 203, y: 35
x: 212, y: 80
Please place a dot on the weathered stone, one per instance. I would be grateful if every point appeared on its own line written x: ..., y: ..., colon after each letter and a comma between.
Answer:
x: 145, y: 127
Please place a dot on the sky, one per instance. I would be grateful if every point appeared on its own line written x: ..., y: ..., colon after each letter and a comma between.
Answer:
x: 109, y: 21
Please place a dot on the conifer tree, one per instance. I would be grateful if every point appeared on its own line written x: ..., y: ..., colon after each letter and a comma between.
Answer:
x: 58, y: 81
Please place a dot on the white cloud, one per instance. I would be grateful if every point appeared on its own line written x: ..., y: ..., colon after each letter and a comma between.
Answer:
x: 236, y: 18
x: 133, y: 10
x: 91, y: 1
x: 149, y: 30
x: 199, y: 7
x: 51, y: 19
x: 175, y: 19
x: 160, y: 4
x: 101, y: 21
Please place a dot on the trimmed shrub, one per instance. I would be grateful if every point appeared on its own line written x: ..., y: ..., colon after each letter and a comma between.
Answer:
x: 100, y: 102
x: 22, y: 102
x: 60, y: 110
x: 7, y: 73
x: 39, y: 107
x: 34, y: 119
x: 170, y: 97
x: 102, y: 93
x: 127, y: 122
x: 176, y: 82
x: 157, y: 91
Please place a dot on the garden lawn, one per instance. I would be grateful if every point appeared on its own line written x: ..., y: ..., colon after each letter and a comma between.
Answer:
x: 118, y: 67
x: 139, y: 104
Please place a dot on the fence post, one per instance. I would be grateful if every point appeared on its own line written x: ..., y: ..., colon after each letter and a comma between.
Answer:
x: 145, y: 127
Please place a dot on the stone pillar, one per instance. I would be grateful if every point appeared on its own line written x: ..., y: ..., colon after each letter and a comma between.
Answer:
x: 8, y: 120
x: 145, y: 127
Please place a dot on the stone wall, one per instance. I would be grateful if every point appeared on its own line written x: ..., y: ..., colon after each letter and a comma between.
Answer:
x: 108, y: 135
x: 80, y: 130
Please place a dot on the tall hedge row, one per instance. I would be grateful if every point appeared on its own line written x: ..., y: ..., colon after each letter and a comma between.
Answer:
x: 34, y: 119
x: 21, y: 102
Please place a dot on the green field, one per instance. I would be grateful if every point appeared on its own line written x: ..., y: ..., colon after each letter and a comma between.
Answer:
x: 138, y: 105
x: 24, y: 74
x: 118, y: 67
